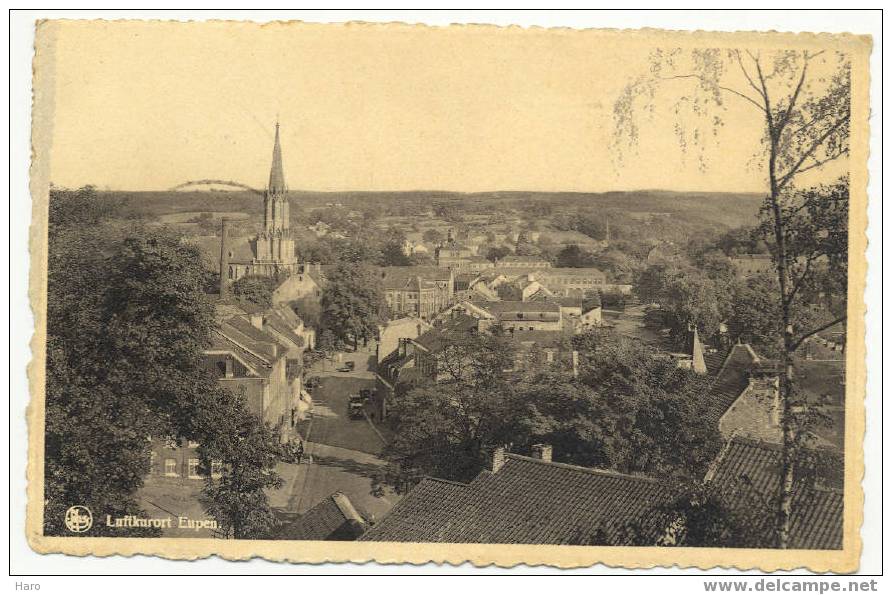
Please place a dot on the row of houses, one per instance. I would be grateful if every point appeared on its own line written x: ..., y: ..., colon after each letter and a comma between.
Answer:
x: 257, y: 354
x: 424, y: 291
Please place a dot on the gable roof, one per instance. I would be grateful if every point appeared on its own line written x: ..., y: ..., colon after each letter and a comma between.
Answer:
x: 731, y: 380
x: 747, y: 475
x: 526, y: 501
x: 333, y: 519
x: 241, y: 249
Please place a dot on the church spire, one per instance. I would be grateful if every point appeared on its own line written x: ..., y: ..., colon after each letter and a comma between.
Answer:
x: 276, y: 175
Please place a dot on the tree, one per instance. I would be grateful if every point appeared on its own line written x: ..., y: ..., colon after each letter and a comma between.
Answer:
x: 392, y: 255
x: 651, y: 407
x: 693, y: 514
x: 309, y: 310
x: 497, y: 253
x: 127, y: 321
x: 353, y: 303
x: 802, y: 102
x: 432, y: 236
x: 255, y: 289
x: 444, y: 428
x: 574, y: 257
x: 247, y: 451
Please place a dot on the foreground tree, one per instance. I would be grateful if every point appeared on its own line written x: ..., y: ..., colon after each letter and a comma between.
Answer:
x: 802, y: 102
x: 444, y: 428
x: 127, y: 320
x: 353, y: 303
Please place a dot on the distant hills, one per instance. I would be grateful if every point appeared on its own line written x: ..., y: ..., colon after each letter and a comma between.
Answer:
x: 726, y: 209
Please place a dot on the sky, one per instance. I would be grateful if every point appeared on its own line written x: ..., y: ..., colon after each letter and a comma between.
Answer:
x: 147, y: 106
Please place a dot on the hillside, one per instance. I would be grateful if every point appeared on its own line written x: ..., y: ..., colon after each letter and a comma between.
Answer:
x: 724, y: 209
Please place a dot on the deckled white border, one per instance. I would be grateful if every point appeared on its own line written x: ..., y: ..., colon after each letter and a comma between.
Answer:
x: 20, y: 214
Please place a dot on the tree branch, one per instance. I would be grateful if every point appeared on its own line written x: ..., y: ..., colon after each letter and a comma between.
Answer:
x: 723, y: 88
x: 789, y: 111
x: 747, y: 74
x: 823, y: 327
x: 809, y: 152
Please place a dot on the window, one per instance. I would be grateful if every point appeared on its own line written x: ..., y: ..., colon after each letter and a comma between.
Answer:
x: 170, y: 467
x: 193, y: 469
x: 153, y: 456
x: 216, y: 469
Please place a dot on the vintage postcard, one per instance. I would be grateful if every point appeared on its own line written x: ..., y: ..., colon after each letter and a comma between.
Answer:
x: 412, y: 294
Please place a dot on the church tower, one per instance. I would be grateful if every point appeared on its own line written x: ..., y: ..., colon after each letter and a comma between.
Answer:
x: 275, y: 243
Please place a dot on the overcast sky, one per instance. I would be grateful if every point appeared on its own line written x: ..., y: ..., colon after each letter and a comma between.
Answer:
x: 148, y: 106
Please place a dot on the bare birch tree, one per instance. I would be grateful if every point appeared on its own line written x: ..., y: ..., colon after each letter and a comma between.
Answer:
x: 801, y: 100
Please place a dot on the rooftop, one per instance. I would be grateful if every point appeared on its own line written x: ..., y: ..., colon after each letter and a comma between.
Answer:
x: 731, y: 379
x: 747, y: 475
x: 333, y: 519
x: 526, y: 501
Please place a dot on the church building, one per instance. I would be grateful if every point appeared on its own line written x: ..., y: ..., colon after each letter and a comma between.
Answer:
x: 271, y: 253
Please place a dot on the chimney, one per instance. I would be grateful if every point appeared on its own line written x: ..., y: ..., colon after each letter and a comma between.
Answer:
x: 224, y: 257
x: 497, y: 459
x: 541, y: 452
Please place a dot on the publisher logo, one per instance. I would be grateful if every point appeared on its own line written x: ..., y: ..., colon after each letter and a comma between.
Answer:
x: 78, y: 519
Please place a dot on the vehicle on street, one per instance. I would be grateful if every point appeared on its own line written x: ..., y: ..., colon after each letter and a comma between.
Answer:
x: 354, y: 406
x: 347, y: 367
x: 366, y: 393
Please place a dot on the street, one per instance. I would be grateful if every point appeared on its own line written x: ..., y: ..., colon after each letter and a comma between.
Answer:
x: 340, y: 453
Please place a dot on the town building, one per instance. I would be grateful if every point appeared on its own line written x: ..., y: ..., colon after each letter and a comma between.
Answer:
x: 572, y: 281
x: 418, y: 291
x: 271, y: 253
x: 254, y: 353
x: 514, y: 261
x: 393, y: 331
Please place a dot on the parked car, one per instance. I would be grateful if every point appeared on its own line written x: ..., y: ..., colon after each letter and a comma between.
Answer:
x: 366, y: 393
x: 347, y: 367
x: 354, y: 407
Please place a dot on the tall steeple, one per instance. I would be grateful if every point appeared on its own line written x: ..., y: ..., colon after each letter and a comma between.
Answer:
x: 275, y: 244
x: 276, y: 173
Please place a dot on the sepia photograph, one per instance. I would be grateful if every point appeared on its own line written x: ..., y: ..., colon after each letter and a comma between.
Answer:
x: 366, y: 291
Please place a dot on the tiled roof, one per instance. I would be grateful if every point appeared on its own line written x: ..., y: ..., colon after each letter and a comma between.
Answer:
x: 333, y: 519
x: 747, y: 475
x: 241, y: 331
x: 240, y: 249
x: 225, y: 340
x: 436, y: 338
x: 425, y: 514
x: 277, y: 322
x: 732, y: 378
x: 526, y: 501
x: 714, y: 361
